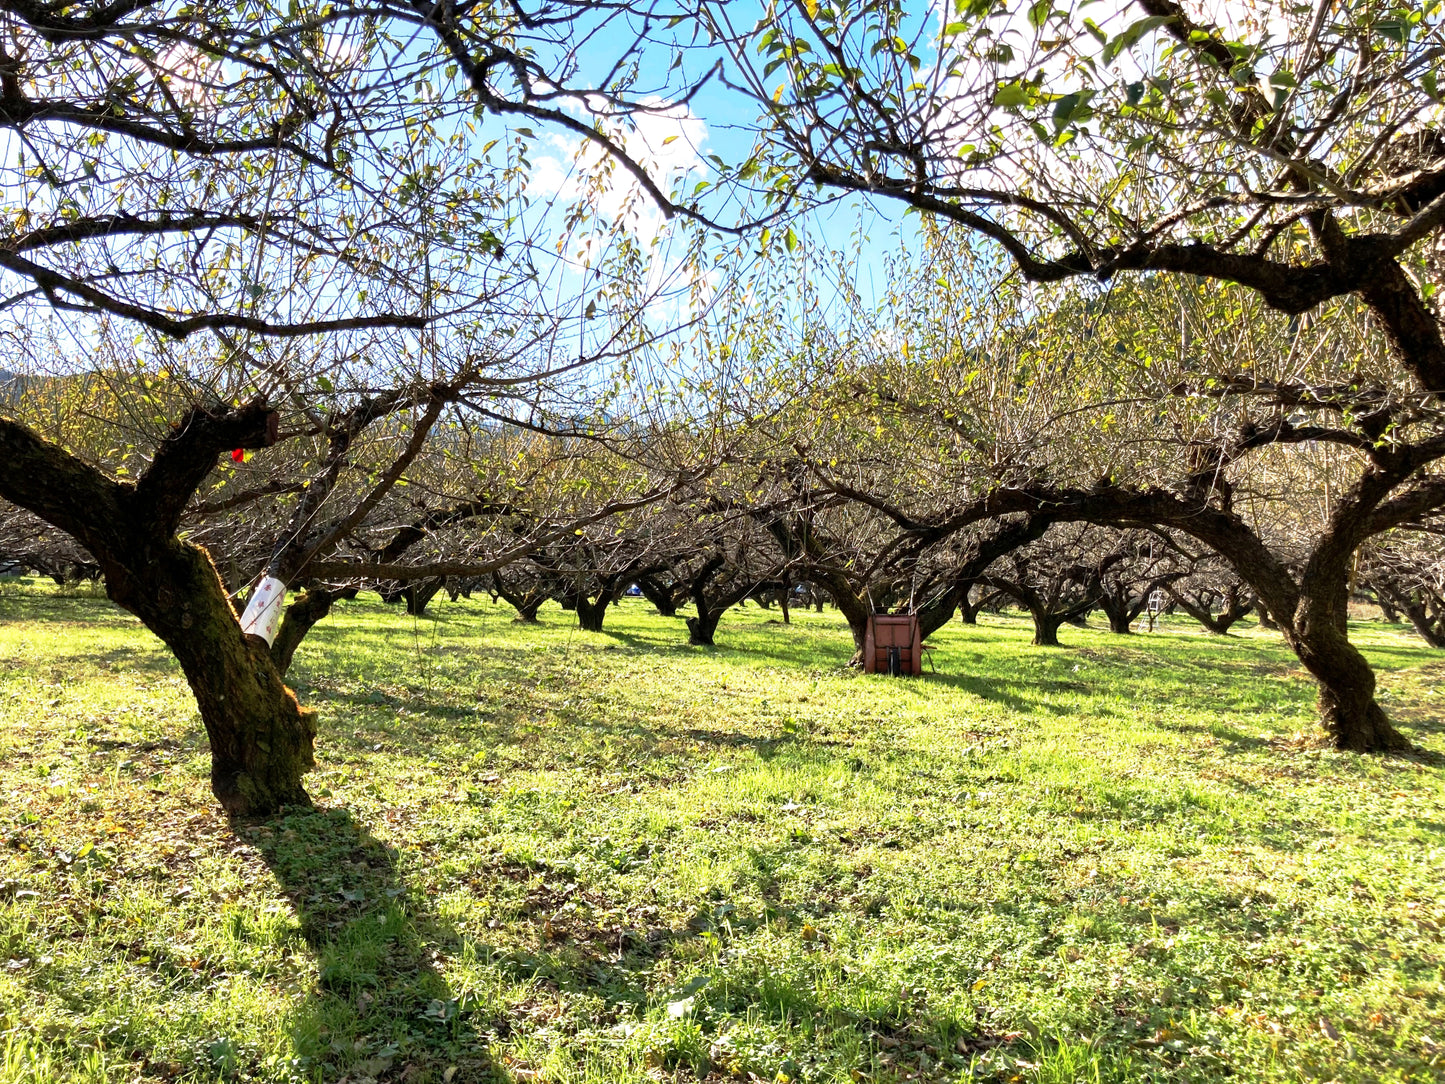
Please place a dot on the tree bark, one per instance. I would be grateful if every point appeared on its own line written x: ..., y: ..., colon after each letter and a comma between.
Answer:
x: 261, y: 739
x: 1046, y: 617
x: 590, y: 614
x: 1120, y: 617
x: 299, y: 617
x: 659, y: 595
x: 525, y: 602
x: 702, y: 627
x: 968, y: 607
x: 1431, y: 631
x: 1046, y: 628
x: 1235, y: 607
x: 1352, y: 719
x: 419, y: 595
x: 1386, y: 604
x: 1319, y: 629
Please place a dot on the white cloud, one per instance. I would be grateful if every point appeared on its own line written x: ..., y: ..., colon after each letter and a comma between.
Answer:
x: 665, y: 139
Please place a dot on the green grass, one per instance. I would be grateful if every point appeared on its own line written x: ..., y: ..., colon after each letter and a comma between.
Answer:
x: 547, y: 855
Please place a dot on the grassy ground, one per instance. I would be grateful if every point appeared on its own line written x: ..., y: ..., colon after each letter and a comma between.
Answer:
x: 546, y: 855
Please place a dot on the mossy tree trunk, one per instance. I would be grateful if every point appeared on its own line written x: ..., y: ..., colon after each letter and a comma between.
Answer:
x: 261, y: 739
x: 300, y: 616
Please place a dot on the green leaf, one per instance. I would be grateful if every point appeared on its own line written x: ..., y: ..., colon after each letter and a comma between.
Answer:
x: 1396, y: 30
x: 790, y: 239
x: 1071, y: 107
x: 1011, y: 95
x: 1130, y: 35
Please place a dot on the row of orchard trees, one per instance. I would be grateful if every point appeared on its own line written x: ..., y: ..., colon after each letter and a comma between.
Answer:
x: 1173, y: 271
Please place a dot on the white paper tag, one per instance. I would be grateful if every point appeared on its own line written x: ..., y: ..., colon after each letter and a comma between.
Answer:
x: 263, y: 612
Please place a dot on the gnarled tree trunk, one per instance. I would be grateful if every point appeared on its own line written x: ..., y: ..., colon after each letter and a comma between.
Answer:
x: 419, y: 595
x: 968, y: 607
x: 526, y: 601
x: 702, y: 626
x: 1348, y: 711
x: 299, y: 617
x: 1046, y: 628
x: 1318, y: 633
x: 261, y: 739
x: 659, y: 595
x: 589, y: 613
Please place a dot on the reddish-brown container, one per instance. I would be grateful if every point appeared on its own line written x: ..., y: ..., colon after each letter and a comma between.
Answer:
x: 890, y: 633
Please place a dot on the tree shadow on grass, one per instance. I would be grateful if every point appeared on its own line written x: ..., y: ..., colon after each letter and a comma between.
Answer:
x: 380, y: 1008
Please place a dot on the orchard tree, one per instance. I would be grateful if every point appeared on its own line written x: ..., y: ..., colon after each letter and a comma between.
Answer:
x: 1292, y: 153
x: 1212, y: 594
x: 326, y: 207
x: 1129, y: 423
x: 1133, y: 566
x: 1406, y: 570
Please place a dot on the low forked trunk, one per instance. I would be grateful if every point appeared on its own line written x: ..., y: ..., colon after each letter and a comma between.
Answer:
x: 299, y: 618
x: 660, y: 595
x: 419, y: 595
x: 1046, y: 628
x: 702, y: 628
x: 590, y: 614
x: 1121, y: 618
x: 262, y: 740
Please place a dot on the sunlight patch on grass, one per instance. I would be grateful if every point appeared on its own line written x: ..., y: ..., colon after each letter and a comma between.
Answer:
x: 543, y: 854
